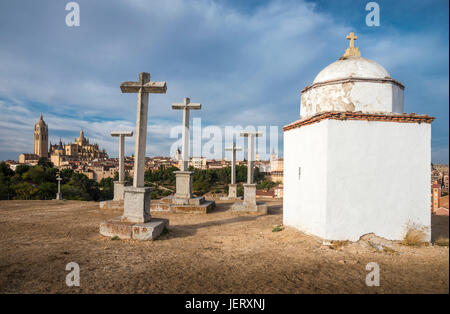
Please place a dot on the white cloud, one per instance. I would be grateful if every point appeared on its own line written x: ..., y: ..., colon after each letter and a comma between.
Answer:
x: 245, y: 68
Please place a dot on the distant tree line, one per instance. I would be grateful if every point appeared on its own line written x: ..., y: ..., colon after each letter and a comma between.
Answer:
x: 39, y: 183
x: 204, y: 181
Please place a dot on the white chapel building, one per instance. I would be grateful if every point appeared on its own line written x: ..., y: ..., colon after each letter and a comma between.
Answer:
x: 355, y: 163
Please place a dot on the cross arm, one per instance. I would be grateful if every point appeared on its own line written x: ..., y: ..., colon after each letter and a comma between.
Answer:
x: 233, y: 148
x: 124, y: 133
x: 150, y: 87
x: 247, y: 134
x: 189, y: 107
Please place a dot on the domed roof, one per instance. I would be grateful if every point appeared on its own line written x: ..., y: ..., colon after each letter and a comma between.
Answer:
x: 356, y: 67
x: 352, y: 84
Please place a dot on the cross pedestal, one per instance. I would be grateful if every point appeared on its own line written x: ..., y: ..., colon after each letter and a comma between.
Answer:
x: 250, y: 205
x: 232, y: 191
x: 183, y: 184
x: 136, y: 221
x: 119, y: 190
x: 136, y: 205
x: 250, y: 194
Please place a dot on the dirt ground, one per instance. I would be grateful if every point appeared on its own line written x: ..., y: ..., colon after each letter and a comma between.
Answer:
x: 215, y: 253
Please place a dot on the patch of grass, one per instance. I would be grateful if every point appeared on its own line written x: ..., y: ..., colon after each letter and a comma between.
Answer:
x: 414, y: 237
x: 115, y: 238
x: 277, y: 228
x: 441, y: 242
x: 389, y: 250
x: 336, y: 245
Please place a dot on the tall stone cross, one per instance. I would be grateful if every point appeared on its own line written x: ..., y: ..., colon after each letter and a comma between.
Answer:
x: 251, y: 147
x: 186, y: 106
x: 121, y: 135
x: 352, y: 51
x: 233, y: 150
x: 143, y: 87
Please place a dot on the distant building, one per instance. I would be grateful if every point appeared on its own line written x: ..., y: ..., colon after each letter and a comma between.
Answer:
x: 276, y: 176
x: 278, y: 191
x: 276, y: 168
x: 40, y: 143
x: 59, y: 154
x: 30, y: 159
x: 435, y: 197
x: 265, y: 193
x: 80, y: 149
x: 198, y: 162
x: 41, y: 138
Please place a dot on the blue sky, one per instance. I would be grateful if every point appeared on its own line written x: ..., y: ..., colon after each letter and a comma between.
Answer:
x: 245, y: 61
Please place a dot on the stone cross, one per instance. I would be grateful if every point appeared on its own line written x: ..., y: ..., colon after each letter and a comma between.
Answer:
x: 352, y: 37
x: 143, y: 87
x: 233, y: 150
x: 121, y: 135
x: 59, y: 195
x: 186, y: 106
x: 251, y: 143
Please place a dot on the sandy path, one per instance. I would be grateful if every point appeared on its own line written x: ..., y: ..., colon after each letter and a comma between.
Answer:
x: 215, y: 253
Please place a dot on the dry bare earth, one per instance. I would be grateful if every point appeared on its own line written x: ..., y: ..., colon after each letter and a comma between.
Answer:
x: 215, y: 253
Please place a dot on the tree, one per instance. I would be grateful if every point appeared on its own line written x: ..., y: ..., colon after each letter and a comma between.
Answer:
x: 45, y: 163
x: 6, y: 174
x: 35, y: 174
x: 25, y: 191
x: 5, y: 170
x: 47, y: 190
x: 106, y: 186
x: 21, y: 169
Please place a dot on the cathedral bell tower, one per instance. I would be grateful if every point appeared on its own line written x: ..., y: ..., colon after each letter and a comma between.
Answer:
x: 41, y: 138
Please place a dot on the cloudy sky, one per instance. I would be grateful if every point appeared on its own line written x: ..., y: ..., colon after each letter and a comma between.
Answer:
x: 244, y: 60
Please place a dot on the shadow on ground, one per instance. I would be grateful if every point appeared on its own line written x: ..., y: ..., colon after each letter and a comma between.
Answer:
x: 439, y: 227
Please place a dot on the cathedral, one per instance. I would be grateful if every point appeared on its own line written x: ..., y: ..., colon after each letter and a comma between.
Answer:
x: 355, y: 163
x: 80, y: 149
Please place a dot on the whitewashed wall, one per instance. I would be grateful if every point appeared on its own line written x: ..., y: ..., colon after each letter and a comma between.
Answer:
x: 357, y: 177
x: 304, y: 203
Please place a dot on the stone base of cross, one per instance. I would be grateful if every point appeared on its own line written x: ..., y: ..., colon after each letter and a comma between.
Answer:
x: 119, y: 190
x: 183, y: 184
x: 59, y: 196
x: 250, y: 205
x: 232, y: 191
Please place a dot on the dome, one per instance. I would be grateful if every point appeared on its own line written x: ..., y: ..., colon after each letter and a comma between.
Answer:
x: 356, y: 67
x: 352, y: 84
